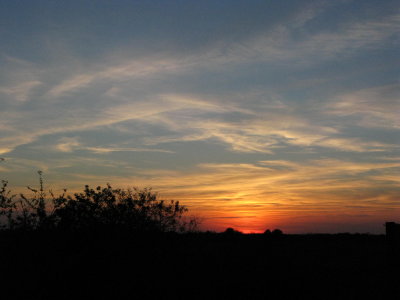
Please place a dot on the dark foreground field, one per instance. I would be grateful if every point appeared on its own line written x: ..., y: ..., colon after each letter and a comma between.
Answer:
x: 198, y: 266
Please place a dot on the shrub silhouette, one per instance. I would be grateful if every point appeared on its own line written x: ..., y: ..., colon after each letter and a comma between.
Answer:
x: 93, y: 209
x: 134, y: 210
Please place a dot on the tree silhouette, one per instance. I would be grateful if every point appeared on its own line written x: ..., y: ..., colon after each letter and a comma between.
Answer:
x: 232, y: 232
x: 267, y: 232
x: 132, y: 209
x: 7, y: 206
x: 277, y: 232
x: 135, y: 210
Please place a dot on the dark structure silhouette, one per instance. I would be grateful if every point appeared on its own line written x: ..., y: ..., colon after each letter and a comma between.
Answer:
x: 393, y: 232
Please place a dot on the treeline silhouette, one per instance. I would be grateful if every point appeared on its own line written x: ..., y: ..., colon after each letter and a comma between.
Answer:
x: 126, y: 244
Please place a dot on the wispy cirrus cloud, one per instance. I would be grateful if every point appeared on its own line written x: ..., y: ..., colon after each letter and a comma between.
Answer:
x: 20, y: 92
x: 72, y: 144
x: 375, y: 106
x: 261, y: 48
x: 273, y: 45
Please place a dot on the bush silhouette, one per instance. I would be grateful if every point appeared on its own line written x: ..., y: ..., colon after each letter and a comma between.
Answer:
x: 93, y: 209
x: 135, y: 210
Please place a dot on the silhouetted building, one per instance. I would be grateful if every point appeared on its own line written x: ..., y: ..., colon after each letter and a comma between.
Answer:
x: 393, y: 231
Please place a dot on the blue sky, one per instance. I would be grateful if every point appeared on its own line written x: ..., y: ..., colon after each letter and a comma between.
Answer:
x: 254, y: 113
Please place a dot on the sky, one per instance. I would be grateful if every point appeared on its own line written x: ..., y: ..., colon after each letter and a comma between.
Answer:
x: 254, y: 114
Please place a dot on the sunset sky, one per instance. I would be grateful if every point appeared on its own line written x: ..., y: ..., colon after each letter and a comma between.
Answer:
x: 255, y: 114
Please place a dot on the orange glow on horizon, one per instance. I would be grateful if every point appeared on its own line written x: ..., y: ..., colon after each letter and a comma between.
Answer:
x: 314, y: 196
